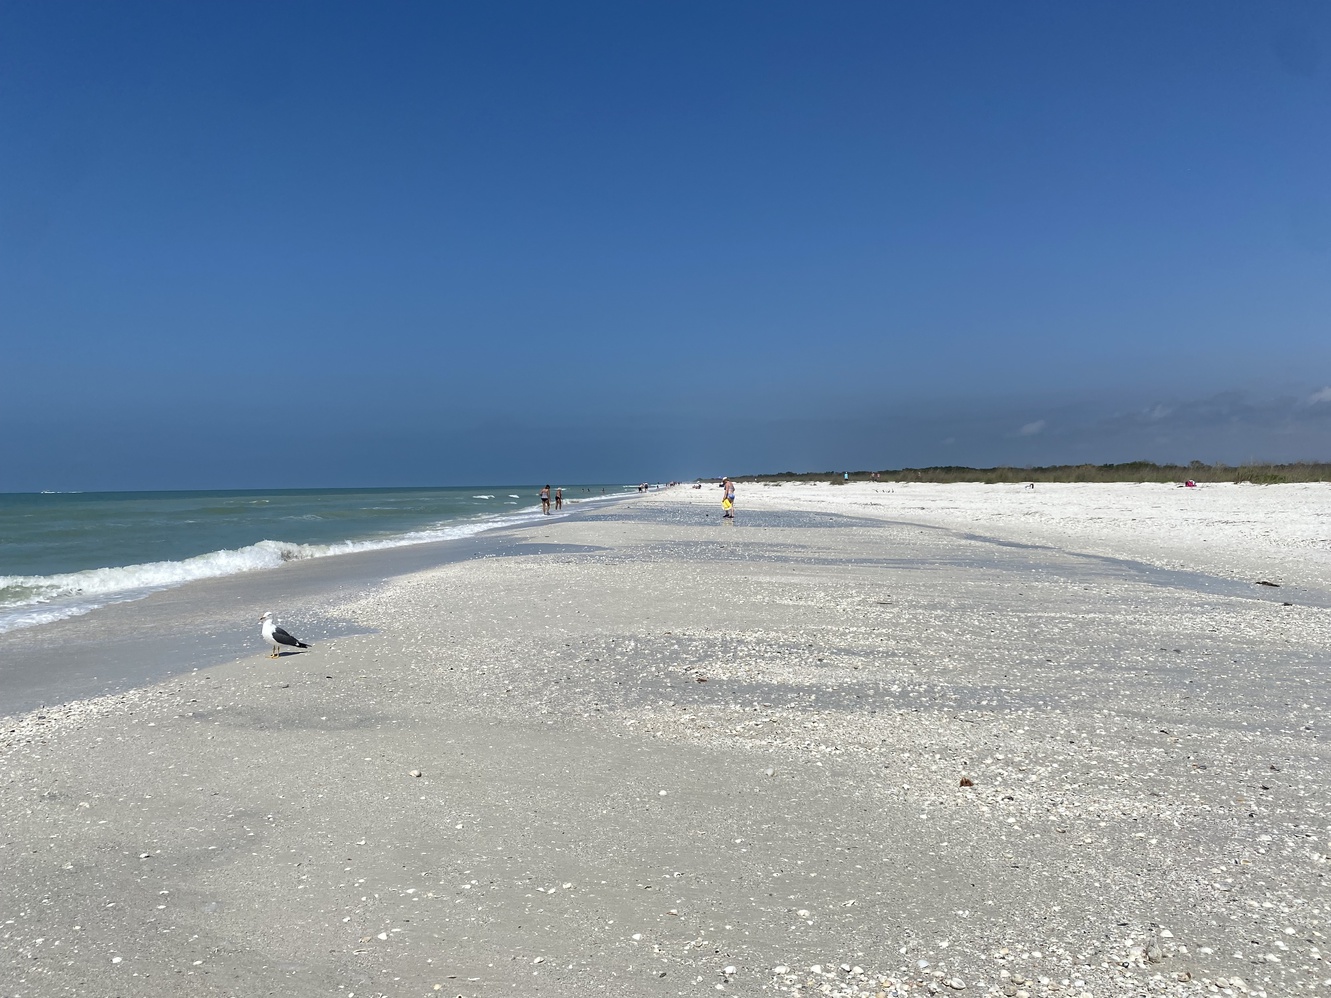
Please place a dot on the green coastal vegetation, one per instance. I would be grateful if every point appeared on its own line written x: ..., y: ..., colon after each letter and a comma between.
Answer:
x: 1130, y: 471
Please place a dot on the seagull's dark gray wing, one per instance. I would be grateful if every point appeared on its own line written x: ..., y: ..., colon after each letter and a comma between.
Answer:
x: 282, y: 637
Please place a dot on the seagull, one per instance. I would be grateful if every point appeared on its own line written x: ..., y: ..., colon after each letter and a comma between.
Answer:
x: 277, y: 637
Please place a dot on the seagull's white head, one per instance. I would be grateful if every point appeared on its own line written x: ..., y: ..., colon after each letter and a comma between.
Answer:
x: 266, y: 615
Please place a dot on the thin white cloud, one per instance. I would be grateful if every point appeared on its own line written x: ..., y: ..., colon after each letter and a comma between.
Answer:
x: 1031, y: 429
x: 1323, y: 396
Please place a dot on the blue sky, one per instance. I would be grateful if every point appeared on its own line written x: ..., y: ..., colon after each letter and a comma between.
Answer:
x: 444, y: 243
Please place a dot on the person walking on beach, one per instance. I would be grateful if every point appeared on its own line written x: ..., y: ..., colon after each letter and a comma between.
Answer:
x: 545, y: 499
x: 559, y: 498
x: 728, y: 501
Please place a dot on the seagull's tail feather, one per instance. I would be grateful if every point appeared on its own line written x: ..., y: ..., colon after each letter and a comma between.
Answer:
x: 301, y: 644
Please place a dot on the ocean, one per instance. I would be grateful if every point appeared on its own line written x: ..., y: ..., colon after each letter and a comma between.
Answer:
x: 64, y: 555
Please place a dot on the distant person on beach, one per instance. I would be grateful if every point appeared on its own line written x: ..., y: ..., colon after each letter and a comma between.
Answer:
x: 545, y: 499
x: 728, y: 500
x: 559, y: 498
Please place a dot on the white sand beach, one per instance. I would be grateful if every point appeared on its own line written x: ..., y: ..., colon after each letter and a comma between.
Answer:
x: 1239, y: 531
x: 884, y: 740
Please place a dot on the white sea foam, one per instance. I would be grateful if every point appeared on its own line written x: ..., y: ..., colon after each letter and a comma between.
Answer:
x: 31, y: 600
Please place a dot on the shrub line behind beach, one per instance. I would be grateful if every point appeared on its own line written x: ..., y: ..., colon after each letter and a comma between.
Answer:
x: 1131, y: 471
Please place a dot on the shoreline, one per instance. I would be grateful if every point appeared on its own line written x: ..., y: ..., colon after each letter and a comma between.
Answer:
x: 208, y: 622
x: 649, y: 754
x: 58, y: 594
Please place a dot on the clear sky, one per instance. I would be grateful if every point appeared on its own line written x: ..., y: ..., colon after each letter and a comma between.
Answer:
x: 294, y: 244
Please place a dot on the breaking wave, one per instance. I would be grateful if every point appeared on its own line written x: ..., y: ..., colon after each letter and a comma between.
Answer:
x: 30, y: 600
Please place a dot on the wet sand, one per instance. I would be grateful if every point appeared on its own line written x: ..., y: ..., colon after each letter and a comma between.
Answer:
x: 666, y: 755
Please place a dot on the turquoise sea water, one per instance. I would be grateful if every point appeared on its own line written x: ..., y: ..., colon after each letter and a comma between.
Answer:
x: 66, y: 554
